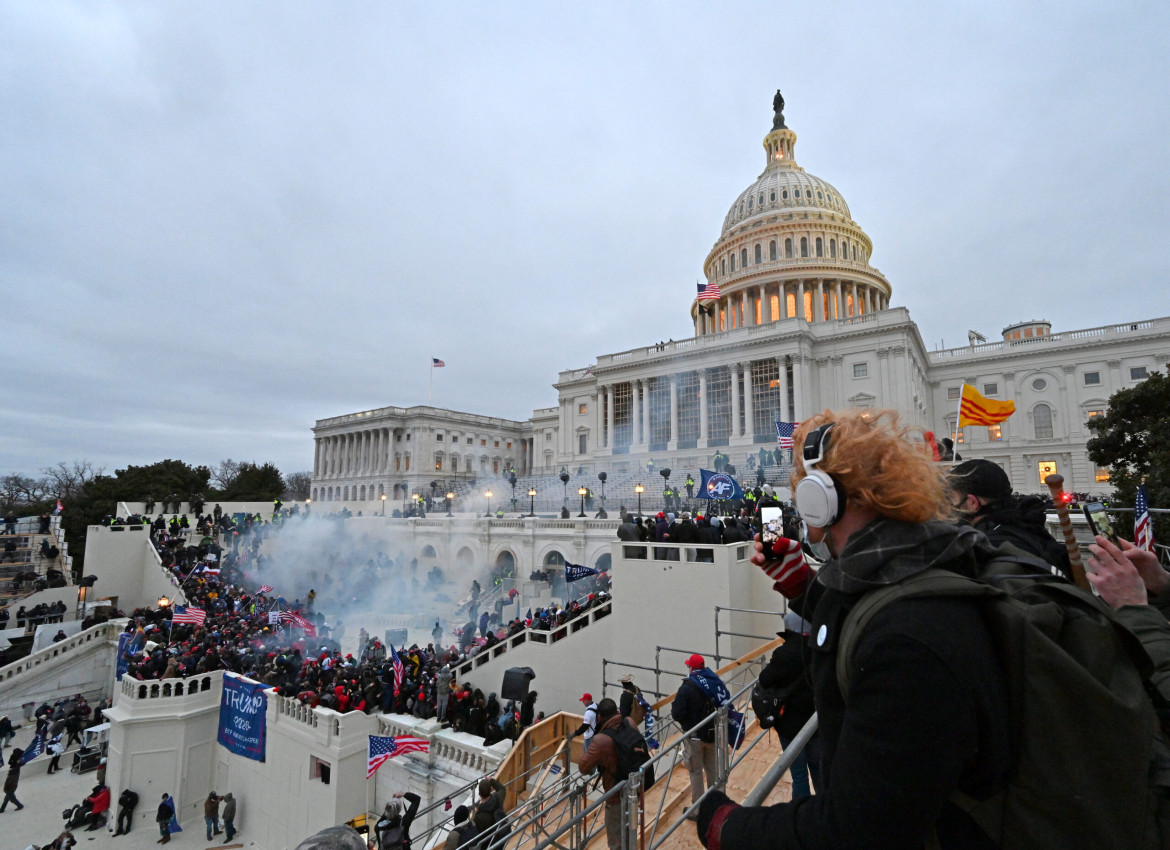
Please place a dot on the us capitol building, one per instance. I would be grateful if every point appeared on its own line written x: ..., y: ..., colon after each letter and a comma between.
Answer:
x: 794, y: 319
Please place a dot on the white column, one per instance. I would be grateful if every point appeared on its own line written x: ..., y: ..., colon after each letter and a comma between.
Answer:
x: 734, y: 400
x: 673, y: 439
x: 702, y: 407
x: 818, y: 301
x: 635, y: 414
x: 749, y: 428
x: 783, y: 373
x: 837, y: 312
x: 645, y: 412
x: 765, y: 307
x: 609, y: 416
x: 749, y: 310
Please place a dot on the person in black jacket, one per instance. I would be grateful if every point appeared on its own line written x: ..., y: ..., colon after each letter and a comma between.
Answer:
x: 926, y: 714
x: 393, y: 828
x: 982, y: 496
x: 127, y: 800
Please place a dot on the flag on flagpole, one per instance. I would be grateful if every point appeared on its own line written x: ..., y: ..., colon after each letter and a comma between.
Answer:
x: 577, y: 571
x: 710, y: 292
x: 399, y: 669
x: 718, y: 485
x: 35, y: 748
x: 60, y: 507
x: 436, y: 363
x: 296, y: 620
x: 188, y: 614
x: 1143, y: 531
x: 265, y: 588
x: 976, y: 409
x: 784, y: 432
x: 384, y: 748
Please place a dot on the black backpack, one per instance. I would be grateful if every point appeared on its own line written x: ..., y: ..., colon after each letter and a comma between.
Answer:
x: 632, y: 753
x: 1085, y: 729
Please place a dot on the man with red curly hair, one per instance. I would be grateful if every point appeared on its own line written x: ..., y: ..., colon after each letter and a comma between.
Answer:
x: 926, y: 713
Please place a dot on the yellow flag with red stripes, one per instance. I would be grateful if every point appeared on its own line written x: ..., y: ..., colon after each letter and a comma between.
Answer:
x: 976, y: 409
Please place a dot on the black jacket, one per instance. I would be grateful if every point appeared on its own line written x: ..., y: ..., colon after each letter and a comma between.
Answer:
x: 927, y: 714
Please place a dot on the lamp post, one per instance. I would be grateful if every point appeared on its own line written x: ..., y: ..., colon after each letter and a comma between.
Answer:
x: 383, y: 504
x: 164, y: 602
x: 489, y: 502
x: 564, y: 476
x: 404, y: 500
x: 450, y: 499
x: 581, y: 491
x: 532, y: 502
x: 639, y: 489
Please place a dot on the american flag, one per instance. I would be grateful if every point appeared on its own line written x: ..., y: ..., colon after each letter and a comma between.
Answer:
x: 710, y: 292
x: 204, y: 569
x: 265, y: 588
x: 295, y: 619
x: 189, y: 615
x: 784, y: 432
x: 399, y: 670
x: 383, y: 748
x: 436, y: 363
x: 1143, y: 532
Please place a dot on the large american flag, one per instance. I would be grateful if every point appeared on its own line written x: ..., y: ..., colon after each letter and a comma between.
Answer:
x: 784, y: 432
x: 710, y: 292
x: 295, y: 619
x: 1143, y: 532
x: 399, y: 670
x: 189, y: 615
x: 265, y: 588
x: 384, y: 748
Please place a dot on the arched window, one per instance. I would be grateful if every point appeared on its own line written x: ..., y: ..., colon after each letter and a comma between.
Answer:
x: 759, y: 254
x: 723, y: 266
x: 855, y: 251
x: 833, y: 248
x: 804, y: 246
x: 1042, y: 421
x: 772, y: 250
x: 733, y: 263
x: 743, y: 257
x: 788, y: 248
x: 362, y: 491
x: 820, y: 247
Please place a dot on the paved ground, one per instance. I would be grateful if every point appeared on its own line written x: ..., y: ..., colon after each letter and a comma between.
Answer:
x: 46, y: 797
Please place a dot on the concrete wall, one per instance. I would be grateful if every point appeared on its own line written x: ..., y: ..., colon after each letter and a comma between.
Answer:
x: 127, y: 567
x: 163, y: 741
x: 81, y: 664
x: 656, y: 603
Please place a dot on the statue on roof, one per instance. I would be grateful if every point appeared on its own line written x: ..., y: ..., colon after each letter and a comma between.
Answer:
x: 778, y: 109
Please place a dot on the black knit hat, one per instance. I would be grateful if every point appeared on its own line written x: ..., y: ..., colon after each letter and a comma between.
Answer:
x: 983, y: 478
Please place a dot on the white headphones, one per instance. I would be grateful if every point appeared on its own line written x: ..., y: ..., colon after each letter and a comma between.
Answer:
x: 819, y: 497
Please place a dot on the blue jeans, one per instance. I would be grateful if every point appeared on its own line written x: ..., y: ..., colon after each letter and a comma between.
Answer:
x: 229, y: 828
x: 806, y: 765
x: 212, y: 825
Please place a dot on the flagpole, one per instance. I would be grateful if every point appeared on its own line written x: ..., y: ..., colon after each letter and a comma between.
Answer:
x: 431, y: 388
x: 955, y: 435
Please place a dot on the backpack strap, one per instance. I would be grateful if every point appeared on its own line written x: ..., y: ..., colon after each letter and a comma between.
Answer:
x: 929, y: 582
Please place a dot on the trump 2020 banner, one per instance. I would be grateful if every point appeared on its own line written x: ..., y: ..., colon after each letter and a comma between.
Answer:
x: 243, y: 712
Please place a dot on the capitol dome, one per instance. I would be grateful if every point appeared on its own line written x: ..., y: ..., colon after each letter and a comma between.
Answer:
x: 788, y: 249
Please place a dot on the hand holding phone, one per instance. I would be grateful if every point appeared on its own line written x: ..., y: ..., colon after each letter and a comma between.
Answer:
x: 1099, y: 521
x: 771, y: 526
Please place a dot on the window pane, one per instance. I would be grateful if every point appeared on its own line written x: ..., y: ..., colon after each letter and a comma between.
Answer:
x: 718, y: 403
x: 765, y: 396
x: 1042, y: 418
x: 860, y: 370
x: 1092, y: 378
x: 688, y: 407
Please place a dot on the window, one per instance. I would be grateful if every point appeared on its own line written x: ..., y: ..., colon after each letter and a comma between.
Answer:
x: 952, y: 393
x: 772, y: 196
x: 991, y: 389
x: 1095, y: 412
x: 1039, y: 385
x: 784, y: 194
x: 759, y: 254
x: 397, y: 462
x: 788, y: 248
x: 438, y: 438
x: 723, y: 266
x: 319, y: 769
x: 959, y: 437
x: 860, y: 370
x: 1045, y: 468
x: 820, y: 246
x: 398, y: 438
x: 482, y: 441
x: 743, y: 257
x: 582, y: 409
x: 1042, y: 421
x: 408, y: 463
x: 733, y: 263
x: 582, y: 444
x: 1138, y: 373
x: 1101, y: 474
x: 408, y: 438
x: 1092, y: 378
x: 833, y: 248
x: 496, y: 444
x: 508, y: 444
x: 804, y: 246
x: 439, y: 462
x: 772, y: 250
x: 994, y: 433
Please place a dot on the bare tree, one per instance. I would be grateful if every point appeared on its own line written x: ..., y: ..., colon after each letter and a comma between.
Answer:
x: 17, y: 490
x: 225, y: 473
x: 67, y: 481
x: 296, y: 486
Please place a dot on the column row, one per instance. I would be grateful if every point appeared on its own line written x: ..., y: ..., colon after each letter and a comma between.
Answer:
x: 814, y: 300
x: 356, y: 453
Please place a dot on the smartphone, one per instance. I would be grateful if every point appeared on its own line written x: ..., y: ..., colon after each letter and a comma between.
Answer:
x: 771, y: 525
x: 1099, y: 521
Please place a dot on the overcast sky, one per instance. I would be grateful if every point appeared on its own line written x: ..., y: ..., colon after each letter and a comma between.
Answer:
x: 220, y: 222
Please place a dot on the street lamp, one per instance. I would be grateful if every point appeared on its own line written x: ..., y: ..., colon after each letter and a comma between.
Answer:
x: 639, y: 489
x: 489, y: 502
x: 450, y: 499
x: 163, y: 602
x: 532, y: 501
x: 383, y: 504
x: 581, y: 491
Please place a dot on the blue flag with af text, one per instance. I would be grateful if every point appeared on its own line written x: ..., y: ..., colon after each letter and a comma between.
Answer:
x: 718, y: 485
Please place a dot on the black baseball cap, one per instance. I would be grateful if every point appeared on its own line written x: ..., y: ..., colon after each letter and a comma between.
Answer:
x: 981, y: 477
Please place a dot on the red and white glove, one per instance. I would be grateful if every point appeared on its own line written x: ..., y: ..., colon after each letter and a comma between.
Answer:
x: 786, y: 567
